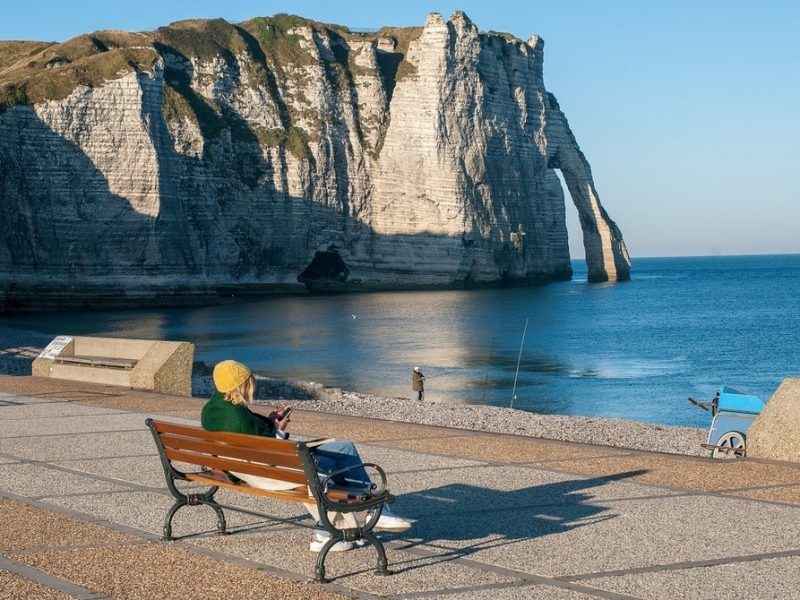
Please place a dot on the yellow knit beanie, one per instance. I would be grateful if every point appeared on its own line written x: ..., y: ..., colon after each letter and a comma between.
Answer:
x: 229, y: 375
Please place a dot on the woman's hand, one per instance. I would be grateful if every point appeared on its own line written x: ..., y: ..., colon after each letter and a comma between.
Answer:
x: 280, y: 417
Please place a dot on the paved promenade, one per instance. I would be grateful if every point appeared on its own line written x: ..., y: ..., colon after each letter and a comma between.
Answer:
x: 82, y: 500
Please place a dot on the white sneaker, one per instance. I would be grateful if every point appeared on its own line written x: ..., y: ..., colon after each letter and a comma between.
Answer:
x: 318, y: 540
x: 388, y: 521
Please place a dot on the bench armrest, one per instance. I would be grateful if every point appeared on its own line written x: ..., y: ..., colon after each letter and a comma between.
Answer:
x: 377, y: 493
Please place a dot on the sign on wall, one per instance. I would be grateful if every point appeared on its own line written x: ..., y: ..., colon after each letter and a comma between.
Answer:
x: 55, y: 347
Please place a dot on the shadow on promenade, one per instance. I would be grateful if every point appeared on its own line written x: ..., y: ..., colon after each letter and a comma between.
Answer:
x: 458, y: 520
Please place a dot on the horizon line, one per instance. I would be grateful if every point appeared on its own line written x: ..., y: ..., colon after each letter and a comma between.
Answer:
x: 716, y: 255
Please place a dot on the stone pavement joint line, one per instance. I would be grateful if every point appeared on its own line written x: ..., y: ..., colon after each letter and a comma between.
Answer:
x: 525, y: 579
x: 685, y: 565
x: 80, y: 516
x: 57, y: 435
x: 47, y: 580
x: 92, y: 476
x: 78, y: 546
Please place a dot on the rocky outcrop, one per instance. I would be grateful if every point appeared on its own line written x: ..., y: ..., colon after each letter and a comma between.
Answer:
x: 216, y: 159
x: 775, y: 432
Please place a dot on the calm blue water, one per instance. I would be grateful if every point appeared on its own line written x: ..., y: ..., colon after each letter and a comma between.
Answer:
x: 683, y: 326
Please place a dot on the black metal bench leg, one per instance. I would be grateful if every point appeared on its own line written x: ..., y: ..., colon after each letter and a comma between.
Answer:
x: 319, y: 572
x: 208, y: 498
x: 167, y: 537
x: 222, y: 526
x: 383, y: 563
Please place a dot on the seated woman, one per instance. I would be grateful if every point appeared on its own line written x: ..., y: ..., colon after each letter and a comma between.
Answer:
x: 227, y: 411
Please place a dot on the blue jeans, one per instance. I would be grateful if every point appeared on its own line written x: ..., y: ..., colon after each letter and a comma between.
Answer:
x: 334, y: 456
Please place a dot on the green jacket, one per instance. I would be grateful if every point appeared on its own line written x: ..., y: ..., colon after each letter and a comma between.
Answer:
x: 220, y: 415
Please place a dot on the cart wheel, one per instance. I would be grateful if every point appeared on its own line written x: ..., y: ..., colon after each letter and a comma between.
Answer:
x: 732, y: 444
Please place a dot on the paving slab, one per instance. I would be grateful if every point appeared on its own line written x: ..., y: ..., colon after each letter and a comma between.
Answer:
x: 789, y: 494
x: 565, y: 540
x: 28, y: 527
x: 394, y: 460
x: 493, y: 448
x: 762, y: 579
x: 17, y: 399
x: 471, y: 490
x: 145, y: 511
x: 79, y: 446
x: 138, y: 470
x: 17, y: 586
x: 32, y: 480
x: 156, y: 570
x: 71, y: 425
x: 165, y: 405
x: 49, y: 409
x: 287, y: 547
x: 687, y: 472
x: 53, y: 555
x: 520, y: 592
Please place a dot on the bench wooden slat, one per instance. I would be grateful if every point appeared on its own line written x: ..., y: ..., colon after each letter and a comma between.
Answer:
x: 228, y: 464
x: 237, y: 439
x: 287, y: 457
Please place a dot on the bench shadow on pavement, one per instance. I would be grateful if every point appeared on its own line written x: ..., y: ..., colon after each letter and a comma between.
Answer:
x: 458, y: 520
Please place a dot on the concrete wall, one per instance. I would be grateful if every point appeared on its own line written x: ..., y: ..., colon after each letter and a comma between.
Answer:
x: 164, y: 367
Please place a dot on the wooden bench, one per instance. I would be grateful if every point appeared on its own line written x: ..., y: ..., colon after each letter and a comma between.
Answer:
x: 217, y: 453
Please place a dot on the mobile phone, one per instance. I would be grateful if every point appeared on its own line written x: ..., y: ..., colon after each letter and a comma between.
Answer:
x: 286, y: 412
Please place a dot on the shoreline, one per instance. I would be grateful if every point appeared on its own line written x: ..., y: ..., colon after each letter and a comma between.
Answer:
x: 18, y: 348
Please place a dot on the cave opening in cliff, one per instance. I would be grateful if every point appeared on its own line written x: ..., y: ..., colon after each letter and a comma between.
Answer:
x: 326, y: 272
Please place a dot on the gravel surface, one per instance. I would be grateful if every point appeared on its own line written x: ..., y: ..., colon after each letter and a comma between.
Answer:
x: 19, y: 348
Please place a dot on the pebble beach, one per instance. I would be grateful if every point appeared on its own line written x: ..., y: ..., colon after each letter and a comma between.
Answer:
x: 18, y: 349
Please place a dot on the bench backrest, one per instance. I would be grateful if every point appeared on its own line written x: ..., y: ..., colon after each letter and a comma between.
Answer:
x: 285, y: 460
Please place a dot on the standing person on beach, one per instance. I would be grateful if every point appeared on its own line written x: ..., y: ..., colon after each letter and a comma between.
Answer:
x: 417, y: 382
x: 227, y: 411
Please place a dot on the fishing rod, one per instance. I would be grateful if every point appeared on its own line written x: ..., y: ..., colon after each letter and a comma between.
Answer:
x: 486, y: 379
x: 519, y: 358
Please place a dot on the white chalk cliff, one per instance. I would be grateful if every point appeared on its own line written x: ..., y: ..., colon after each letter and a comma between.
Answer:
x: 215, y: 159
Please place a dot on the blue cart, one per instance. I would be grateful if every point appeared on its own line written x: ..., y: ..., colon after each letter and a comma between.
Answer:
x: 732, y: 414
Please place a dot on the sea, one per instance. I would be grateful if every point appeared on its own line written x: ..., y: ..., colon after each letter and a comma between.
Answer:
x: 635, y: 350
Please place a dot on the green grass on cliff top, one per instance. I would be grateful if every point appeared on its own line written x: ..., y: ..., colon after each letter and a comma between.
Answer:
x: 34, y: 72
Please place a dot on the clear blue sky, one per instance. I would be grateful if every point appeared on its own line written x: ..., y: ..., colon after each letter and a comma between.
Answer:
x: 688, y: 111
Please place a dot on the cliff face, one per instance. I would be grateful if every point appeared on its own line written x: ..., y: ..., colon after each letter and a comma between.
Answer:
x: 209, y: 158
